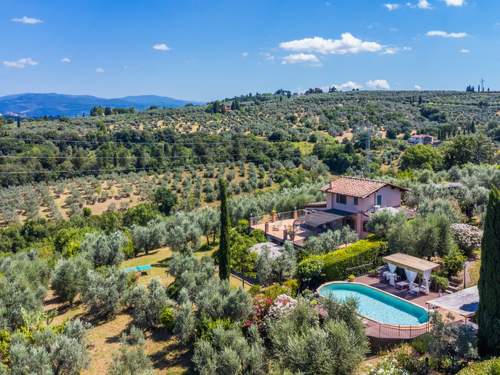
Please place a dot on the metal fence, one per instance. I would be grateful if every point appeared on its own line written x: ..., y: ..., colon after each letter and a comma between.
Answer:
x: 397, y: 332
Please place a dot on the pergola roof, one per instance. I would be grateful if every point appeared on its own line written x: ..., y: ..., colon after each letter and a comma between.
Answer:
x: 464, y: 302
x: 317, y: 218
x: 410, y: 262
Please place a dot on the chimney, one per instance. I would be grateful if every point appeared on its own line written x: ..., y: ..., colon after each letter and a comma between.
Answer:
x: 331, y: 185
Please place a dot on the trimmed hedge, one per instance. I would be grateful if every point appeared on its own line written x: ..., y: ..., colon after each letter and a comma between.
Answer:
x: 338, y: 264
x: 489, y: 367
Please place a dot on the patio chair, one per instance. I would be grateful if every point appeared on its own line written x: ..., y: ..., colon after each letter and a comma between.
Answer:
x: 414, y: 289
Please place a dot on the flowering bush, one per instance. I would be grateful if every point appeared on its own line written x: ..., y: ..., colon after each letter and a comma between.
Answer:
x: 261, y: 305
x: 387, y: 367
x: 467, y: 237
x: 281, y: 307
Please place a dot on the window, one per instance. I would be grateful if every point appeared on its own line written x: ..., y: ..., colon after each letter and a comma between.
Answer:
x: 342, y: 199
x: 379, y: 200
x: 356, y: 201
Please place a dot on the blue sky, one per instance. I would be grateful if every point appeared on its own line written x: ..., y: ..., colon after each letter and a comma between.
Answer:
x: 201, y: 50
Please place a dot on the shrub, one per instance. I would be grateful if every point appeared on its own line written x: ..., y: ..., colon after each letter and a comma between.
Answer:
x: 167, y: 318
x: 293, y: 285
x: 336, y: 264
x: 330, y: 240
x: 467, y: 237
x: 310, y: 269
x: 453, y: 262
x: 351, y: 278
x: 439, y: 283
x: 488, y: 367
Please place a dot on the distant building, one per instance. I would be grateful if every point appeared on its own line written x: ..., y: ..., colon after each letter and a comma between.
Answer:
x: 421, y: 139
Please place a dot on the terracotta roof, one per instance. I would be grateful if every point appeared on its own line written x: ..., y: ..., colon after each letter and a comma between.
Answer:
x: 356, y: 186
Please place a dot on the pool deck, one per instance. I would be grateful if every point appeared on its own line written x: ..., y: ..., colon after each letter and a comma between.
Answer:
x: 420, y: 300
x: 374, y: 330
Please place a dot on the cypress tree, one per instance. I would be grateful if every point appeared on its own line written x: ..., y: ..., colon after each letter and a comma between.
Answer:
x: 224, y: 255
x: 489, y: 282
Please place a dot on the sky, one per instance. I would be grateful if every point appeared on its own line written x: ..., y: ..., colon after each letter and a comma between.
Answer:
x: 208, y: 49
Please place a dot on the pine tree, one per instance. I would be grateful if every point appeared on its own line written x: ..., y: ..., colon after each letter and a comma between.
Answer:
x: 489, y: 282
x: 224, y: 255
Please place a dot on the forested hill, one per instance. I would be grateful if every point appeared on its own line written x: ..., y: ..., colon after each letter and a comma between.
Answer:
x: 260, y: 128
x: 38, y: 105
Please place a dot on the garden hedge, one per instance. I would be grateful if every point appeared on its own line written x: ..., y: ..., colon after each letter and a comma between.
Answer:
x: 337, y: 264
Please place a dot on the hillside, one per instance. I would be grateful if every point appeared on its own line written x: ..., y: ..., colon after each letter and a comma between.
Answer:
x: 38, y: 105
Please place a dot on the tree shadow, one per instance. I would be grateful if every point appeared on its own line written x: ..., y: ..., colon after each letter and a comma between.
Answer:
x: 174, y: 354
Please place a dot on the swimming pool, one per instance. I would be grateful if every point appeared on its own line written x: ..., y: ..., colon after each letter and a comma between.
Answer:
x: 376, y: 304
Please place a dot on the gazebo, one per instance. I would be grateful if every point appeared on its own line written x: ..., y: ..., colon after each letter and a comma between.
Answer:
x: 412, y: 266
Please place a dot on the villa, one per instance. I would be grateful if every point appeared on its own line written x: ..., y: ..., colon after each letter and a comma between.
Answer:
x: 349, y: 201
x: 421, y: 139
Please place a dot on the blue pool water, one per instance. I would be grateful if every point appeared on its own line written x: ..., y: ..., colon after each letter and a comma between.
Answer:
x: 377, y: 305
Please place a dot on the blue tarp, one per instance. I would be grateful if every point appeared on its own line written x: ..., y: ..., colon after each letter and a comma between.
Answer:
x: 138, y: 268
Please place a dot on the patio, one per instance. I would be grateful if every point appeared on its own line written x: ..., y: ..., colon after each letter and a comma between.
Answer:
x: 296, y: 226
x: 425, y: 300
x: 375, y: 281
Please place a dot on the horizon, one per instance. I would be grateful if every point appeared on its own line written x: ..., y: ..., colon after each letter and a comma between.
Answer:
x: 203, y: 52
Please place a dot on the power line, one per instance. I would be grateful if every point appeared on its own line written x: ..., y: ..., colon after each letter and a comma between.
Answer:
x: 131, y: 142
x: 120, y: 171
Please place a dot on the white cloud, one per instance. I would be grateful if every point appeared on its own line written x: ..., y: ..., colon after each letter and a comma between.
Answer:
x: 423, y: 4
x: 298, y: 58
x: 378, y: 84
x: 391, y: 6
x: 161, y: 47
x: 347, y: 44
x: 349, y: 85
x: 418, y: 87
x: 454, y: 3
x: 394, y: 50
x: 66, y: 60
x: 444, y: 34
x: 465, y: 50
x: 267, y: 56
x: 244, y: 54
x: 27, y: 20
x: 99, y: 70
x: 21, y: 63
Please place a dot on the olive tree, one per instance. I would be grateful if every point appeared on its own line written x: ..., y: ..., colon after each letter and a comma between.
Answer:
x: 131, y: 359
x: 68, y: 276
x: 229, y: 352
x: 49, y: 352
x: 103, y: 291
x: 105, y: 250
x: 147, y: 304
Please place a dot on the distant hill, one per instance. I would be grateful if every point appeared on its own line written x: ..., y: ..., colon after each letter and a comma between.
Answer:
x: 37, y: 105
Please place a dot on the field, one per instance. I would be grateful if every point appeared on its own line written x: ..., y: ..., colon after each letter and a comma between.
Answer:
x: 194, y: 188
